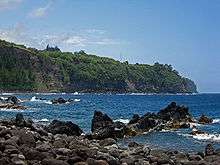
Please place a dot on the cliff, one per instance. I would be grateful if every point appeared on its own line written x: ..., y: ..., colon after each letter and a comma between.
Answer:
x: 28, y: 69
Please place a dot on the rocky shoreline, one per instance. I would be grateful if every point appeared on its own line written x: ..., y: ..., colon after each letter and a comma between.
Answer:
x: 23, y: 142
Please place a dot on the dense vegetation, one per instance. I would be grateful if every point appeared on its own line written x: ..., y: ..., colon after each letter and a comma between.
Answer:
x: 29, y: 69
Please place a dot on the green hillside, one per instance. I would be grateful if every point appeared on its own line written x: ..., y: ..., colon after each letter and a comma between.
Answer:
x: 28, y: 69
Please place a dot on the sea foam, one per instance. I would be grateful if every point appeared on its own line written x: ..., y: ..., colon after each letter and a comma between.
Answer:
x: 125, y: 121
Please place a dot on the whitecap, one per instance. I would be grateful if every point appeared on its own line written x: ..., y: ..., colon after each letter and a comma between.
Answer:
x: 216, y: 121
x: 3, y: 98
x: 42, y: 120
x: 34, y: 99
x: 205, y: 136
x: 195, y: 124
x: 14, y: 110
x: 76, y: 100
x: 125, y: 121
x: 75, y: 93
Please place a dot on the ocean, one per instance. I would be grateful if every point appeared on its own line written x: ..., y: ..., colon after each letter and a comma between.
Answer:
x: 121, y: 107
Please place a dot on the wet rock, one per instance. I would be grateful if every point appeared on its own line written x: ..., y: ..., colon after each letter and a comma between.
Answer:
x: 58, y: 101
x: 12, y: 99
x: 12, y: 106
x: 205, y: 120
x: 61, y: 127
x: 174, y: 112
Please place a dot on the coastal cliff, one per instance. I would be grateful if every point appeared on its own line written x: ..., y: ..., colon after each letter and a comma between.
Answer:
x: 30, y: 70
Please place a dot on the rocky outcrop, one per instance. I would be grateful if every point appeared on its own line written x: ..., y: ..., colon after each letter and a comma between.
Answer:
x: 205, y: 120
x: 174, y: 112
x: 171, y: 117
x: 104, y: 127
x: 59, y: 101
x: 11, y: 102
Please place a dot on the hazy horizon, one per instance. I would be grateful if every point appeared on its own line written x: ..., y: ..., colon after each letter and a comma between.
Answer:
x: 181, y: 33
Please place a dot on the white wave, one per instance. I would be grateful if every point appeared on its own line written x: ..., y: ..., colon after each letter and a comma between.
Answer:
x: 195, y: 124
x: 216, y: 121
x: 7, y: 94
x: 41, y: 120
x: 76, y: 100
x: 14, y: 110
x: 34, y: 99
x: 204, y: 136
x: 125, y: 121
x: 3, y: 98
x: 212, y: 137
x: 76, y: 93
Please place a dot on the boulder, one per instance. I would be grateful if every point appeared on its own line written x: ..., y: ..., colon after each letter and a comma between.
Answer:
x: 205, y: 120
x: 26, y: 138
x: 62, y: 127
x: 100, y: 120
x: 209, y: 150
x: 19, y: 120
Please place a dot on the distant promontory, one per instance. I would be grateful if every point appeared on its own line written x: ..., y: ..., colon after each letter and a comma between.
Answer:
x: 31, y: 70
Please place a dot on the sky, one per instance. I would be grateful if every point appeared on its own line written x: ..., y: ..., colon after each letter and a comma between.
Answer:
x: 183, y: 33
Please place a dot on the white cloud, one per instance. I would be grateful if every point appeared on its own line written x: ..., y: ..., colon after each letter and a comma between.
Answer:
x: 66, y: 41
x: 9, y: 4
x: 41, y: 11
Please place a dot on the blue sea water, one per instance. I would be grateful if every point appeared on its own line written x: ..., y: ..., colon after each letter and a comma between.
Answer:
x: 122, y: 107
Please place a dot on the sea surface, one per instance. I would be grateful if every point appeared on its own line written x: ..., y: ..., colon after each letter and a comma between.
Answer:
x: 121, y: 107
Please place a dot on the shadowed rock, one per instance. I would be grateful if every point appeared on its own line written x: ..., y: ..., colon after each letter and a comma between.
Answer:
x: 62, y: 127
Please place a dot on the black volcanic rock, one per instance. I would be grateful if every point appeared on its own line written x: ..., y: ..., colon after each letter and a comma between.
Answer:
x: 12, y: 99
x: 205, y: 120
x: 134, y: 119
x: 100, y: 121
x: 174, y: 112
x: 58, y: 101
x: 61, y: 127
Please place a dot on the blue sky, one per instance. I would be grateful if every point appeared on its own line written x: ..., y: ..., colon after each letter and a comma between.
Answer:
x: 184, y: 34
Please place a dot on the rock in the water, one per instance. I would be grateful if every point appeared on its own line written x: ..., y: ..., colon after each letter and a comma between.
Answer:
x: 12, y: 99
x: 59, y: 101
x: 205, y: 120
x: 174, y: 112
x: 62, y: 127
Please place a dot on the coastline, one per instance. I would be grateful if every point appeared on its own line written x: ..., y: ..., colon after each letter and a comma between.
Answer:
x: 24, y: 142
